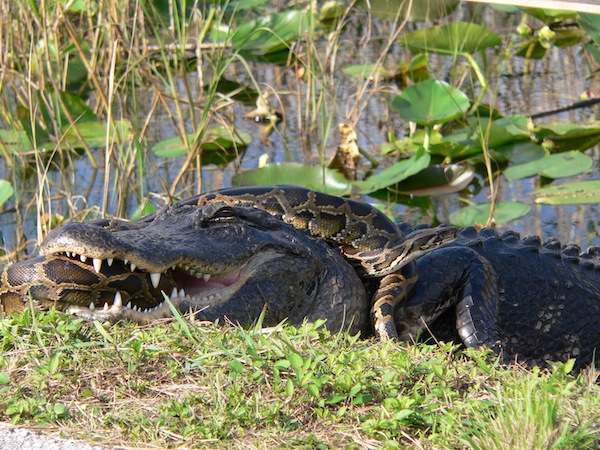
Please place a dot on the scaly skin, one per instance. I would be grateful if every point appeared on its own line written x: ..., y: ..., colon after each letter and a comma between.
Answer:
x: 533, y: 302
x: 255, y: 261
x: 230, y: 260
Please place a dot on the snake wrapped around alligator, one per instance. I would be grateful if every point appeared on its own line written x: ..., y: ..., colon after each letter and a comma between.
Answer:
x: 292, y: 253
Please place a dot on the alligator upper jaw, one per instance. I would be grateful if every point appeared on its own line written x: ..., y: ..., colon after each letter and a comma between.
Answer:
x: 180, y: 284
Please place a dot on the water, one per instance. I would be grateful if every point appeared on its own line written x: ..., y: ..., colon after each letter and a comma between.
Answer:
x: 522, y: 87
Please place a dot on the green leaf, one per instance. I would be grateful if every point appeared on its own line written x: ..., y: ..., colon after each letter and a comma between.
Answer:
x: 571, y: 193
x: 313, y: 390
x: 318, y: 178
x: 552, y: 166
x: 430, y: 102
x: 593, y: 50
x: 531, y: 49
x: 436, y: 180
x: 145, y: 209
x: 422, y: 10
x: 332, y: 10
x: 520, y: 152
x: 94, y: 134
x: 270, y: 33
x: 453, y: 38
x: 6, y: 191
x: 220, y: 145
x: 364, y: 71
x: 564, y: 136
x: 395, y: 173
x: 60, y: 410
x: 504, y: 212
x: 550, y: 15
x: 236, y: 366
x: 591, y: 24
x: 64, y: 105
x: 80, y: 6
x: 15, y: 141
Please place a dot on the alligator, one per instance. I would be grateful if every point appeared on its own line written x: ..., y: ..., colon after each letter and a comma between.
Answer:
x: 532, y: 302
x: 291, y: 253
x: 248, y: 263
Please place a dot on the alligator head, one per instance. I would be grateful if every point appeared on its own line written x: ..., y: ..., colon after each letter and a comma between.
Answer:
x: 220, y: 261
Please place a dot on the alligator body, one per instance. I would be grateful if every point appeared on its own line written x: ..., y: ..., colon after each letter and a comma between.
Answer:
x: 533, y: 302
x: 293, y: 253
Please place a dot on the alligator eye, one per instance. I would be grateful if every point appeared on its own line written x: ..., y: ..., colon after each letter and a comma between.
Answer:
x: 216, y: 212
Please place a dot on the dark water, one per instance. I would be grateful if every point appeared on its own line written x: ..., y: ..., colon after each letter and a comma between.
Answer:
x: 516, y: 87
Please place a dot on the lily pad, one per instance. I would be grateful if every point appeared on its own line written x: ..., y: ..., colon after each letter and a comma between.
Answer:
x: 559, y: 165
x: 415, y: 11
x: 452, y: 38
x: 431, y: 102
x: 547, y: 15
x: 318, y: 178
x: 94, y: 134
x: 519, y: 152
x: 220, y: 146
x: 559, y: 137
x: 571, y: 193
x: 271, y: 33
x: 504, y: 212
x: 395, y: 173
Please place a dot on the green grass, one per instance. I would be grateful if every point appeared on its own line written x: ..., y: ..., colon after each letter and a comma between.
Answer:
x: 192, y: 385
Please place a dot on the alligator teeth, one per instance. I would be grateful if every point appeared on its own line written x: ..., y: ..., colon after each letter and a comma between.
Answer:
x: 173, y: 293
x: 118, y: 301
x: 155, y: 278
x: 128, y: 305
x: 125, y: 261
x: 132, y: 266
x: 181, y: 293
x: 206, y: 276
x: 97, y: 264
x: 105, y: 307
x: 92, y: 306
x: 186, y: 267
x: 82, y: 258
x: 109, y: 261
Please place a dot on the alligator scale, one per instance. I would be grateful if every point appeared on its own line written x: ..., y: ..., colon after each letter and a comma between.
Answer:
x: 296, y: 254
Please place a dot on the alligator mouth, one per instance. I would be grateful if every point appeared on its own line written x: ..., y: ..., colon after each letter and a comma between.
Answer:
x: 142, y: 295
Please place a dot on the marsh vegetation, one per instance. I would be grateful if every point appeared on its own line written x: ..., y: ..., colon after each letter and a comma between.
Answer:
x: 428, y: 109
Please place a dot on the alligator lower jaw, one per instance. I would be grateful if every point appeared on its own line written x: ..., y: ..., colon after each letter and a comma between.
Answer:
x: 192, y: 291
